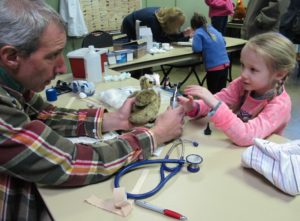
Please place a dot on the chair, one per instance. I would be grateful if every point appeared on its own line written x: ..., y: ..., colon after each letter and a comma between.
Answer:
x: 99, y: 39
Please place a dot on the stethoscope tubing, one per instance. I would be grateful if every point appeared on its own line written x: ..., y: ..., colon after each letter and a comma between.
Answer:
x: 163, y: 179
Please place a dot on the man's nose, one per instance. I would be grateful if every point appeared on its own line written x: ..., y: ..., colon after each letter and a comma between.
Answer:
x: 60, y: 65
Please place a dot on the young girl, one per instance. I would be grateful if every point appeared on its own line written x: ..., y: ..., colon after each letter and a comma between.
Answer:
x: 219, y: 12
x: 213, y: 47
x: 256, y: 103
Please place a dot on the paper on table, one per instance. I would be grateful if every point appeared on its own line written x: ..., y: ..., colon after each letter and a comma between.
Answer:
x: 183, y: 43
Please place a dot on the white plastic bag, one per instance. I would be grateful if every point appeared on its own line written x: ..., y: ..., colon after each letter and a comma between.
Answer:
x: 114, y: 97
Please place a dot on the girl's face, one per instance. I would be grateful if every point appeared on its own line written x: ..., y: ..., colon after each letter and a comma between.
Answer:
x: 256, y: 74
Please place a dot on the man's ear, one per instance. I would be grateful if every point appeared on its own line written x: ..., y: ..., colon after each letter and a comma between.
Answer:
x: 9, y: 57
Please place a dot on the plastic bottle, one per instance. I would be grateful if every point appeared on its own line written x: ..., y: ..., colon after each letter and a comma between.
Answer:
x: 146, y: 33
x: 106, y: 68
x: 92, y: 65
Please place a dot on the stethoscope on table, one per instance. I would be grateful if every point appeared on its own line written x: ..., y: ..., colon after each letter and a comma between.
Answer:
x: 193, y: 161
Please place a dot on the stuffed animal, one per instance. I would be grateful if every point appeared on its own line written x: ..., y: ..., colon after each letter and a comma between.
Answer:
x: 147, y: 103
x: 239, y: 11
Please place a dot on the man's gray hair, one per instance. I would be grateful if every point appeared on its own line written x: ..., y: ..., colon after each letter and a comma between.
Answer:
x: 22, y: 23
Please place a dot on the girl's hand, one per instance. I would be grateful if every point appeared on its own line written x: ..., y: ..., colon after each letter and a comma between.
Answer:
x: 188, y: 32
x: 186, y: 103
x: 201, y: 93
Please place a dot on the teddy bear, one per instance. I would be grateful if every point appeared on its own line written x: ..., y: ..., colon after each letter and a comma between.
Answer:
x: 239, y: 11
x: 147, y: 100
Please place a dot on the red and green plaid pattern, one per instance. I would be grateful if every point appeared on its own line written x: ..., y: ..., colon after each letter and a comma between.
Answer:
x: 33, y: 149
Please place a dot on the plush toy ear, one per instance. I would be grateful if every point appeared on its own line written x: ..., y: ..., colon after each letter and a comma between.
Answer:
x: 145, y: 82
x: 154, y: 78
x: 9, y: 57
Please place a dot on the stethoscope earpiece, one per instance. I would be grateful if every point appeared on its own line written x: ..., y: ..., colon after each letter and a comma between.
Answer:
x: 193, y: 142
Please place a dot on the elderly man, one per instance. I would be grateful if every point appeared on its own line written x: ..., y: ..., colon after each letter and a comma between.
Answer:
x: 32, y: 144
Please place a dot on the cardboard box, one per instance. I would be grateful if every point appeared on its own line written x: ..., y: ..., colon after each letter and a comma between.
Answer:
x: 77, y: 61
x: 139, y: 47
x: 119, y: 41
x: 120, y: 56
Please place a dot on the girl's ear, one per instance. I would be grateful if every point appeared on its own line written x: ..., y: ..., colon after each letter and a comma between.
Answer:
x: 9, y: 57
x: 279, y: 75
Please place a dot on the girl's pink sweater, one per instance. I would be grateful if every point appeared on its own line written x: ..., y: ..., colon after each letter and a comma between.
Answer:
x: 220, y: 7
x: 266, y: 116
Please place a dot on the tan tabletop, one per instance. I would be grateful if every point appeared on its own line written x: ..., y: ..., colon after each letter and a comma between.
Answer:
x: 178, y: 54
x: 71, y: 100
x: 222, y: 190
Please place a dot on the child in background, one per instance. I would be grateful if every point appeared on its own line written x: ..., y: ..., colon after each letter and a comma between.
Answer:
x: 219, y: 12
x: 255, y: 105
x: 211, y: 43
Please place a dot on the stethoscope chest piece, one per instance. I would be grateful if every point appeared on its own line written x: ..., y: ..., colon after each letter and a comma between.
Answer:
x: 194, y: 161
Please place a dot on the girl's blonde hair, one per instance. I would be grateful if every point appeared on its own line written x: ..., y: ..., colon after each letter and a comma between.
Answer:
x: 170, y: 19
x: 278, y: 51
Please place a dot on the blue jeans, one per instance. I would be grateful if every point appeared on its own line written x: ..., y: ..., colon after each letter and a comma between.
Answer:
x: 219, y: 23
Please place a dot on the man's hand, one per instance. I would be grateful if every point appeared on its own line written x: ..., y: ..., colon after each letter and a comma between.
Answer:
x: 118, y: 120
x: 168, y: 125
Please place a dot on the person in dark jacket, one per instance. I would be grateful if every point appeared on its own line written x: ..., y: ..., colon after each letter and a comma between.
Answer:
x: 263, y: 16
x: 165, y: 24
x: 287, y: 21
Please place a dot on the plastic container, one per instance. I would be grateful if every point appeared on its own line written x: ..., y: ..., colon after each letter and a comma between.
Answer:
x: 105, y: 68
x: 120, y: 56
x: 92, y: 65
x: 146, y: 34
x: 51, y: 94
x: 78, y: 64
